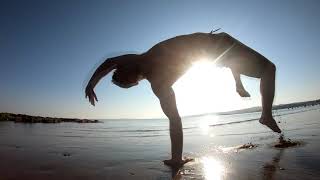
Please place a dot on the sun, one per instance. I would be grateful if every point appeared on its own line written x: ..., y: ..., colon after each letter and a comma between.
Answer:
x: 206, y: 88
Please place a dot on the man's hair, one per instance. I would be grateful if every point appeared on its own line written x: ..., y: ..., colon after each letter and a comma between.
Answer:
x: 125, y: 75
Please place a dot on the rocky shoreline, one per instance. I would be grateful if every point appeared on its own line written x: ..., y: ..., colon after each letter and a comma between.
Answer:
x: 22, y: 118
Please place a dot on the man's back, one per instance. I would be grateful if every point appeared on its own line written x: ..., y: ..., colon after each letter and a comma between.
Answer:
x: 175, y: 55
x: 183, y: 46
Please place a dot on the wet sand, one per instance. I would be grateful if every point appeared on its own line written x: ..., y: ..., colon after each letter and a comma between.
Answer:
x: 112, y: 150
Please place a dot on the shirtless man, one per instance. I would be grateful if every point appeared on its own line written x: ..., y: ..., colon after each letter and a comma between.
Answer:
x: 164, y: 63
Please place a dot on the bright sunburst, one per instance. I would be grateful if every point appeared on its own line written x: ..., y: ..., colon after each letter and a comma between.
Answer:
x: 206, y: 88
x: 212, y: 168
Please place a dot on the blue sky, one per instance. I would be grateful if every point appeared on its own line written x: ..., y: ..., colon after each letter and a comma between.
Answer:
x: 49, y: 49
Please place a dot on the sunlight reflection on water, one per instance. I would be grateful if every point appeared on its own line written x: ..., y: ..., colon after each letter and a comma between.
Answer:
x: 205, y: 122
x: 212, y: 168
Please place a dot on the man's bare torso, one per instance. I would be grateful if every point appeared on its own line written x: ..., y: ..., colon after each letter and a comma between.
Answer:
x: 168, y: 60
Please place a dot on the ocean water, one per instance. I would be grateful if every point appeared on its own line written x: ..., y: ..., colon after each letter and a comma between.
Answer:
x: 134, y: 148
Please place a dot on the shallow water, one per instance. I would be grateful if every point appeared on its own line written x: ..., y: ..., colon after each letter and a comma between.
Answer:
x: 123, y: 149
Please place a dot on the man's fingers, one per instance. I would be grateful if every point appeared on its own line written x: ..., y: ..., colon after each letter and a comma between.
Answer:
x: 91, y: 96
x: 94, y: 94
x: 92, y: 101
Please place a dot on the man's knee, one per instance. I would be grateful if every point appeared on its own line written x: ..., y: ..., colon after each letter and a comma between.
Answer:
x: 271, y: 67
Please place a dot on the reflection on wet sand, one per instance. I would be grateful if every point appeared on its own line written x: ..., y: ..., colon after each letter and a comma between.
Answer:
x: 176, y: 173
x: 270, y: 168
x: 211, y: 169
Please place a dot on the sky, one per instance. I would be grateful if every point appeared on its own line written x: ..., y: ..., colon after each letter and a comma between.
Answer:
x: 49, y: 50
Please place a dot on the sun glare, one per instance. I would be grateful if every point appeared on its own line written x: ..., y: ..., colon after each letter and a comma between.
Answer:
x: 205, y: 122
x: 212, y: 168
x: 206, y: 88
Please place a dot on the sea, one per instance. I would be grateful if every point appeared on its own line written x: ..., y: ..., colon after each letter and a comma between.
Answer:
x: 135, y: 148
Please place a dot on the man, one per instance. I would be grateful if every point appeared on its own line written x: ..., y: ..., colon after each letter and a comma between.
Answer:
x: 165, y: 62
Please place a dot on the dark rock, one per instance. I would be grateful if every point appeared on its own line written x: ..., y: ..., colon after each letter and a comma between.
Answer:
x: 18, y: 119
x: 66, y: 154
x: 22, y: 118
x: 248, y: 146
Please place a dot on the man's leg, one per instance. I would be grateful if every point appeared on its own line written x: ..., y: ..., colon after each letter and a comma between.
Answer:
x: 267, y: 88
x: 239, y: 86
x: 244, y: 60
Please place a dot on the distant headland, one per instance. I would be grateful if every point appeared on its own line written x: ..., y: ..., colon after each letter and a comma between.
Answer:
x: 258, y: 108
x: 275, y: 107
x: 22, y: 118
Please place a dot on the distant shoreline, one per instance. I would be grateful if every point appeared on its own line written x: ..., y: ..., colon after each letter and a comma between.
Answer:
x: 258, y: 108
x: 275, y: 107
x: 23, y: 118
x: 38, y: 119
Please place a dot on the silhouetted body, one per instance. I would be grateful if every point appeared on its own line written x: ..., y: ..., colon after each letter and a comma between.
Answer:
x: 167, y: 61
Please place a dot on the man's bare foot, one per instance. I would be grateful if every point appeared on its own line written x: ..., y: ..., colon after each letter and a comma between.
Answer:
x: 176, y: 163
x: 242, y: 92
x: 271, y: 123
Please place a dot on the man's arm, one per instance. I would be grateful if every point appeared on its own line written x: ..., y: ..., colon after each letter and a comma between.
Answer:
x: 100, y: 72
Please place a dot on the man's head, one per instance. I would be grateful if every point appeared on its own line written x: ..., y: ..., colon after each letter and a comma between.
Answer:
x: 127, y: 75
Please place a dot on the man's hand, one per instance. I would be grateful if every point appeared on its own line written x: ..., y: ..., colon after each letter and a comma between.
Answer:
x: 91, y: 95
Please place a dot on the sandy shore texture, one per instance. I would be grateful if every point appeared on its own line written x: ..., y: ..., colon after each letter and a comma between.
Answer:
x: 121, y: 150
